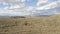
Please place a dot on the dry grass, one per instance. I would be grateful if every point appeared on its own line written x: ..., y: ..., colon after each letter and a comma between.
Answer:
x: 47, y: 25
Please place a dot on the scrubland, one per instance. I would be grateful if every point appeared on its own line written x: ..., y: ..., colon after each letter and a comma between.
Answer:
x: 36, y: 25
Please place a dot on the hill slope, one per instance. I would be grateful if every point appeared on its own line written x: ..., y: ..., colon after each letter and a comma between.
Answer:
x: 38, y: 25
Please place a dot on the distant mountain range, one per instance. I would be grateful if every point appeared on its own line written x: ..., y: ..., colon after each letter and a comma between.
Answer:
x: 25, y: 16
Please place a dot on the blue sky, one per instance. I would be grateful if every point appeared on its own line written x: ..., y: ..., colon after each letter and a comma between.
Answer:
x: 31, y: 3
x: 28, y: 7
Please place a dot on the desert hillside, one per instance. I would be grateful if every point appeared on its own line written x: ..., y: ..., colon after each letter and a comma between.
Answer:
x: 36, y: 25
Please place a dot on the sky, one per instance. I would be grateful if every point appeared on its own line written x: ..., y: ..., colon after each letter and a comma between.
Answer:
x: 29, y: 7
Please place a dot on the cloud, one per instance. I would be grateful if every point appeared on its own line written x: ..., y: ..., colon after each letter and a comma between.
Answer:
x: 15, y: 7
x: 18, y: 8
x: 13, y: 3
x: 17, y: 12
x: 2, y: 13
x: 48, y: 6
x: 41, y: 2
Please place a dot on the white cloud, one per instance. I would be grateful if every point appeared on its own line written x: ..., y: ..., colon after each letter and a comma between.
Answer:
x: 15, y: 4
x: 18, y: 8
x: 1, y: 1
x: 23, y: 0
x: 48, y: 6
x: 2, y: 13
x: 12, y: 1
x: 17, y: 12
x: 30, y: 10
x: 41, y: 2
x: 15, y: 9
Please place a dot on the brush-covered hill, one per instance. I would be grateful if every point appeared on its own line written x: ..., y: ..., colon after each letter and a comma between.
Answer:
x: 36, y: 25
